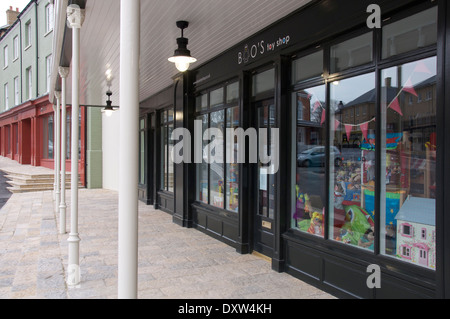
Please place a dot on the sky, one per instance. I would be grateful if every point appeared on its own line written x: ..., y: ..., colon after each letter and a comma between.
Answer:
x: 5, y: 4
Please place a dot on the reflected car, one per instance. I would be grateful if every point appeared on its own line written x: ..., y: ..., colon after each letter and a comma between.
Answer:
x: 316, y: 157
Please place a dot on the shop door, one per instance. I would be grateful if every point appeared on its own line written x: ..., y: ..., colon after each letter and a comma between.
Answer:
x: 265, y: 199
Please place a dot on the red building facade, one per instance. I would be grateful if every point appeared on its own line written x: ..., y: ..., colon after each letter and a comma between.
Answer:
x: 27, y: 135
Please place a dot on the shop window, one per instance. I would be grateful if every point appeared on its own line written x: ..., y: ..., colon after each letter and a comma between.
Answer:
x: 167, y: 167
x: 47, y: 140
x: 414, y: 32
x: 352, y: 162
x: 8, y: 139
x: 202, y: 169
x: 216, y: 168
x: 217, y: 178
x: 352, y: 53
x: 310, y: 193
x: 232, y: 169
x: 308, y: 67
x: 16, y: 137
x: 408, y: 146
x: 142, y: 149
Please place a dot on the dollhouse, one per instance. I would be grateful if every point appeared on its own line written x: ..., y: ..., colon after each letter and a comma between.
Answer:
x: 416, y: 224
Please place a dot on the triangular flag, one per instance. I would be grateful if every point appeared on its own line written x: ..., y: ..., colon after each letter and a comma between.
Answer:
x: 422, y: 68
x: 348, y: 130
x: 316, y: 105
x: 336, y: 124
x: 410, y: 88
x: 396, y: 106
x: 365, y: 128
x: 324, y: 114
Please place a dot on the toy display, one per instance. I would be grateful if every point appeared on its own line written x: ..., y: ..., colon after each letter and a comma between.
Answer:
x: 416, y: 232
x: 316, y: 227
x: 357, y: 224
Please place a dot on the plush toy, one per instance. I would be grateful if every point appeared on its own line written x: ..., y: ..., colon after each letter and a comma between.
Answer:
x: 367, y: 241
x: 345, y: 236
x: 316, y: 226
x: 357, y: 223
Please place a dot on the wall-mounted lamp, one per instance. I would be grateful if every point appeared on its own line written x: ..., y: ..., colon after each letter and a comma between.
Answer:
x: 182, y: 56
x: 108, y: 110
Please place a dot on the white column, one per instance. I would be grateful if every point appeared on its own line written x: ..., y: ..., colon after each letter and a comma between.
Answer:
x: 56, y: 148
x: 63, y: 72
x: 129, y: 148
x: 75, y: 17
x: 54, y: 135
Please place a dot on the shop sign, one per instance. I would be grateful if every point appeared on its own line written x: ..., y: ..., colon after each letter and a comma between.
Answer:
x: 252, y: 51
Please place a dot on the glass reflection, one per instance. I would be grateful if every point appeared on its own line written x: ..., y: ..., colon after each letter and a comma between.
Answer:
x: 352, y: 161
x: 308, y: 212
x: 408, y: 188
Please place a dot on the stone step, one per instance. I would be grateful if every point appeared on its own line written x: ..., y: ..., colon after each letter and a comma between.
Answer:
x: 34, y: 185
x: 22, y: 182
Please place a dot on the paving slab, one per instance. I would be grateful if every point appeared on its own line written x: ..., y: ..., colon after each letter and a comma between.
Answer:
x: 174, y: 262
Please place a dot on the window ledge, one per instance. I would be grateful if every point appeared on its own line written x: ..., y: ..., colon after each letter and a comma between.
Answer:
x: 27, y: 47
x: 48, y: 32
x: 15, y: 59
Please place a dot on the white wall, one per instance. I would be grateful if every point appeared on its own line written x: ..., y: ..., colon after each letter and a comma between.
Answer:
x: 110, y: 138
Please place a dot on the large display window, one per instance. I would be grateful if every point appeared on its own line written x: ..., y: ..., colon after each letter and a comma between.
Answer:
x: 166, y: 163
x: 352, y: 160
x: 408, y: 143
x: 365, y: 139
x: 217, y: 179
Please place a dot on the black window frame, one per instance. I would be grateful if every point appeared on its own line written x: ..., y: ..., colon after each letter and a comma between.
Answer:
x: 376, y: 66
x: 207, y: 111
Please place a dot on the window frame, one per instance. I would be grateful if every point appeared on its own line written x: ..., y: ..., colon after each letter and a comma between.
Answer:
x: 5, y: 56
x: 16, y: 48
x: 376, y: 66
x: 224, y: 106
x: 49, y: 18
x: 165, y: 124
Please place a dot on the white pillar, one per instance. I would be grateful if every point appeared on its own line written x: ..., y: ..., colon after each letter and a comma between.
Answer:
x: 54, y: 166
x: 63, y: 72
x: 56, y: 148
x: 129, y: 148
x: 75, y: 16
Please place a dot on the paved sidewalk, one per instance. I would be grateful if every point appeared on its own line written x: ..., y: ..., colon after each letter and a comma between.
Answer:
x: 174, y: 262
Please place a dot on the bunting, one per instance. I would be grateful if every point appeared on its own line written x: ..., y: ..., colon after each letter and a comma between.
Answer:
x: 395, y: 105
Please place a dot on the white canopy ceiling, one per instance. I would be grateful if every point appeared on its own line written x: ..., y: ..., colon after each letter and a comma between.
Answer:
x: 215, y: 26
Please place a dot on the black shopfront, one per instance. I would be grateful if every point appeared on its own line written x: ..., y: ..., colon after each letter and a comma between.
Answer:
x: 357, y: 117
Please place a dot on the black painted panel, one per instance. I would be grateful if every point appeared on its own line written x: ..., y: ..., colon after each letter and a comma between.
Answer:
x: 214, y: 226
x: 348, y: 277
x: 230, y: 231
x: 304, y: 260
x: 394, y: 288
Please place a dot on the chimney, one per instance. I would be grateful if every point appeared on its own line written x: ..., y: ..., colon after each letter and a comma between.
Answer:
x: 388, y: 82
x: 11, y: 15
